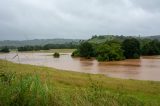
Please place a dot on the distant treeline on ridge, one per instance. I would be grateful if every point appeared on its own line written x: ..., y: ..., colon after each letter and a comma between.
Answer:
x: 6, y: 49
x: 47, y: 47
x: 103, y: 48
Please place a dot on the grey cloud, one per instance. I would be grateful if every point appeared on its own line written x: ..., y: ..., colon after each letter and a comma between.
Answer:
x: 29, y: 19
x: 149, y: 5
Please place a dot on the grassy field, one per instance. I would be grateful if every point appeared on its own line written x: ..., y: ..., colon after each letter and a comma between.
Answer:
x: 50, y: 51
x: 59, y: 50
x: 28, y: 85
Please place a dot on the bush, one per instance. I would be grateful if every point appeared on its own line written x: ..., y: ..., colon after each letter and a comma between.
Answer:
x: 75, y: 53
x: 102, y: 58
x: 5, y: 50
x: 56, y: 55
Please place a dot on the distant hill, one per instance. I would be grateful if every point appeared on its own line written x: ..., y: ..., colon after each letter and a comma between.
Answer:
x: 154, y: 37
x: 94, y: 39
x: 41, y: 42
x: 103, y: 38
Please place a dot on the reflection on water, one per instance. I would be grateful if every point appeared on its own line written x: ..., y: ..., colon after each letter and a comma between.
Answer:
x: 146, y: 68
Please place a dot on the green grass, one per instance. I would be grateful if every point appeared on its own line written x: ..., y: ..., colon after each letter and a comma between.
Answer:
x: 101, y: 40
x: 28, y: 85
x: 59, y: 50
x: 50, y: 51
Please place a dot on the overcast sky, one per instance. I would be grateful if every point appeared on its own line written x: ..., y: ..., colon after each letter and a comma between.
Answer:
x: 30, y: 19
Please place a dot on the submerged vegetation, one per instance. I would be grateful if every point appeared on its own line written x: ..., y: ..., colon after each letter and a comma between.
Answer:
x: 151, y: 47
x: 27, y: 85
x: 117, y: 48
x: 131, y: 48
x: 56, y: 55
x: 109, y: 51
x: 86, y: 50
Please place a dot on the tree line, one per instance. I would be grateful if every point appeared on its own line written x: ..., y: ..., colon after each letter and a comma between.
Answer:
x: 48, y: 47
x: 4, y: 49
x: 114, y: 50
x: 37, y: 47
x: 111, y: 50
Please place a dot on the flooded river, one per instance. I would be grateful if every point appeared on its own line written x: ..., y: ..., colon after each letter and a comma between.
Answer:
x: 146, y: 68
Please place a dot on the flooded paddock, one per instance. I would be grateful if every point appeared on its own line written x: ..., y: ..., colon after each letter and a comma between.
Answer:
x: 146, y: 68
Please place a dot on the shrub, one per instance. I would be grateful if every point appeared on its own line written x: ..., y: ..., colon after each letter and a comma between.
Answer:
x: 56, y: 55
x: 75, y: 53
x: 5, y: 50
x: 102, y: 58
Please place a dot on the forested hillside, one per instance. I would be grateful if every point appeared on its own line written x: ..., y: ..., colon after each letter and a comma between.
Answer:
x: 104, y: 38
x: 40, y: 42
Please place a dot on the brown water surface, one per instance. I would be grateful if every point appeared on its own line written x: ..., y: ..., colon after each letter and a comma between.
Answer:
x: 146, y: 68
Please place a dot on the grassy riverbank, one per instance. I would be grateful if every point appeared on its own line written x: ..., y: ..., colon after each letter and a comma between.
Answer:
x: 33, y: 85
x: 49, y: 51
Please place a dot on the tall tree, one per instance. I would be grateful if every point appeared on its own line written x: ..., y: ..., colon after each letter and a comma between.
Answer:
x: 109, y: 52
x: 151, y: 48
x: 131, y: 48
x: 86, y: 50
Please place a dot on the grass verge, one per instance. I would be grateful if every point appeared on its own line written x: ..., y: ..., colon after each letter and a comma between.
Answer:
x: 28, y: 85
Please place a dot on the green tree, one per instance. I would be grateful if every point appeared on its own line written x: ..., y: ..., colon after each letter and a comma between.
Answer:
x: 86, y: 50
x: 102, y: 52
x: 75, y: 53
x: 5, y: 50
x: 151, y: 48
x: 116, y: 52
x: 109, y: 52
x: 131, y: 48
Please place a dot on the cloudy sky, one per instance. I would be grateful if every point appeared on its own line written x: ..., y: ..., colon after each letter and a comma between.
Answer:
x: 31, y: 19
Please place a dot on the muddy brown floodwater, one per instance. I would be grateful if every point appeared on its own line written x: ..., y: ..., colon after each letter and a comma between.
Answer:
x: 146, y: 68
